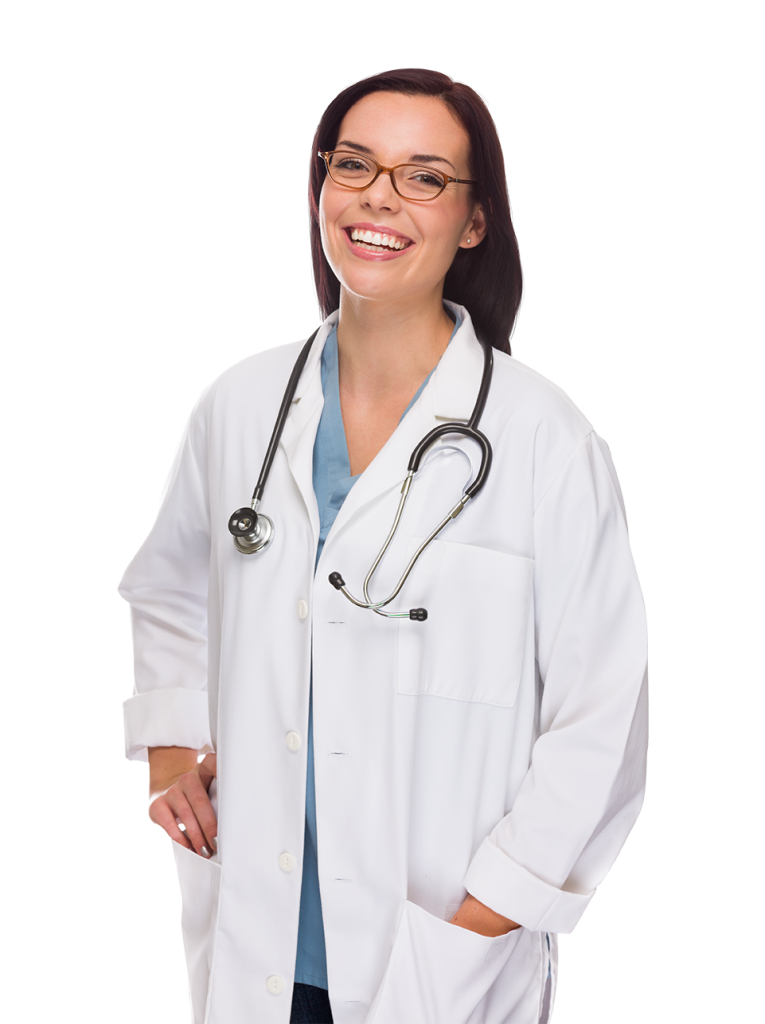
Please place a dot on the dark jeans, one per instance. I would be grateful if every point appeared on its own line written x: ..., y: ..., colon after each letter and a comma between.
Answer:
x: 310, y: 1005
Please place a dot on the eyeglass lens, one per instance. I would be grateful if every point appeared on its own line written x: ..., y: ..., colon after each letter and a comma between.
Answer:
x: 411, y: 180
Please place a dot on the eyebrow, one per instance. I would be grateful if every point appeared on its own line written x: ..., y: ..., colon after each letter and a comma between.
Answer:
x: 418, y: 158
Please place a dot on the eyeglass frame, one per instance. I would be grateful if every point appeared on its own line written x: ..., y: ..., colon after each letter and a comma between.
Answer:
x: 389, y: 171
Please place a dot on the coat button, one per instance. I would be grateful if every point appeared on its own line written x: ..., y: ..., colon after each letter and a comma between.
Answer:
x: 286, y: 862
x: 275, y: 985
x: 302, y: 609
x: 293, y: 741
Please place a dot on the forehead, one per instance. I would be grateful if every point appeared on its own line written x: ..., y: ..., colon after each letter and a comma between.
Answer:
x: 396, y: 127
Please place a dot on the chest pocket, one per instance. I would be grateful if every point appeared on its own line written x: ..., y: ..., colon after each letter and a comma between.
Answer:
x: 471, y: 647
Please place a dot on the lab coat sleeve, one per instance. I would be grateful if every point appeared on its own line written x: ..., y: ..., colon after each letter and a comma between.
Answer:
x: 584, y: 787
x: 166, y: 586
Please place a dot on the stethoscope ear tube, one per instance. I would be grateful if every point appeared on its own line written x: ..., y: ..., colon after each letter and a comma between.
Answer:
x: 469, y: 430
x: 416, y: 614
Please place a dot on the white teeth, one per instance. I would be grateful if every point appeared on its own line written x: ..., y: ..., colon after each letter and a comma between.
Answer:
x: 375, y: 238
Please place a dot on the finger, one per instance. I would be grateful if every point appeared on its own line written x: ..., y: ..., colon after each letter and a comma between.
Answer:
x: 196, y: 793
x: 184, y: 805
x: 161, y: 814
x: 174, y: 813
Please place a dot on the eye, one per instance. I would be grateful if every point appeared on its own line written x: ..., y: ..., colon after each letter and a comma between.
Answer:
x: 430, y: 179
x: 350, y: 164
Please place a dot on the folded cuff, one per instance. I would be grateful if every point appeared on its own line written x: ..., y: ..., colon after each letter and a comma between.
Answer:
x: 174, y: 717
x: 511, y: 890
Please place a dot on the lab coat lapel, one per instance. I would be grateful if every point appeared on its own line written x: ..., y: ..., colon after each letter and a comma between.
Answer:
x: 450, y: 394
x: 299, y: 433
x: 457, y: 377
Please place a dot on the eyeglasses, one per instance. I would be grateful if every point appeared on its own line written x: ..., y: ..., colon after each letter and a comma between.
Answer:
x: 411, y: 181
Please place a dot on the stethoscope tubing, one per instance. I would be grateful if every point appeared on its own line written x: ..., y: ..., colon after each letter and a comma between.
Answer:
x: 469, y: 430
x: 376, y: 606
x: 253, y: 532
x: 281, y: 419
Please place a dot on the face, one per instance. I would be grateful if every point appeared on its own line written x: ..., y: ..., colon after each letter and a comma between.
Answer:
x: 423, y: 238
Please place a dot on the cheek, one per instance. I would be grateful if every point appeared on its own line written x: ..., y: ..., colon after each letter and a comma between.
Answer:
x: 331, y: 205
x: 325, y: 217
x: 447, y: 233
x: 328, y: 213
x: 330, y: 208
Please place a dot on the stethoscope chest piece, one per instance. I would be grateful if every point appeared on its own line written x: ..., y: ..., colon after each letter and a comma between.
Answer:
x: 252, y: 531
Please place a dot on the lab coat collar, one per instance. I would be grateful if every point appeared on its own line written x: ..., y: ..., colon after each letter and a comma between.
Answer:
x: 457, y: 377
x: 453, y: 380
x: 312, y: 366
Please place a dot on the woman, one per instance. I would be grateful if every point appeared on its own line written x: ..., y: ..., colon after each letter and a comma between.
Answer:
x: 401, y: 813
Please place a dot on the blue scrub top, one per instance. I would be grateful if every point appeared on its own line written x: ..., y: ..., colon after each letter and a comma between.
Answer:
x: 332, y: 482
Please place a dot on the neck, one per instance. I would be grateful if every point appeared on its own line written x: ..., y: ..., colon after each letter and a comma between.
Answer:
x: 387, y: 348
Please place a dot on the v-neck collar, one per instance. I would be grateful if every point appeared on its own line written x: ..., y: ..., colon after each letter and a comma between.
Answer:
x: 332, y: 480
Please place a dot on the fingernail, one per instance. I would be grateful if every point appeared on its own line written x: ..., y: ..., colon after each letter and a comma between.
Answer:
x: 214, y: 842
x: 205, y: 852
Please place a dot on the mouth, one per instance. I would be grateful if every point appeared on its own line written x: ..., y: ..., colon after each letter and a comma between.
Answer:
x: 377, y: 241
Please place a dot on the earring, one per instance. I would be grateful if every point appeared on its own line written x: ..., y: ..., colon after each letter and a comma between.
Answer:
x: 468, y: 241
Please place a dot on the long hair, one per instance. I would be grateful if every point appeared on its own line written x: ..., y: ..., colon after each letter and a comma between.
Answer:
x: 486, y: 280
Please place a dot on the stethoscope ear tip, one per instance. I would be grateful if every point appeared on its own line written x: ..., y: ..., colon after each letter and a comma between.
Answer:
x: 418, y: 614
x: 336, y: 580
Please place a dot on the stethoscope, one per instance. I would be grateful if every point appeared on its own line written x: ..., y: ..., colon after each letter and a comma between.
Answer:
x: 253, y: 531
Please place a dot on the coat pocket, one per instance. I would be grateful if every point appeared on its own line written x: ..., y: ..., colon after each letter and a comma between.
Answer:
x: 438, y: 973
x: 471, y: 647
x: 200, y: 898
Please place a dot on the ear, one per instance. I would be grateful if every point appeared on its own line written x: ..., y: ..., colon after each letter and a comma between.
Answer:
x: 476, y: 229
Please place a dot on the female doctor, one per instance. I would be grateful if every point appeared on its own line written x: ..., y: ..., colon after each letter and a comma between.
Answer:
x: 400, y: 813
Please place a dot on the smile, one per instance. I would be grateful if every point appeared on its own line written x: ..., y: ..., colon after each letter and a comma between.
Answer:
x: 376, y: 241
x: 376, y: 245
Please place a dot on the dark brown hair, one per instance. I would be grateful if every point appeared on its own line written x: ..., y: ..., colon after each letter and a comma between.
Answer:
x: 486, y: 280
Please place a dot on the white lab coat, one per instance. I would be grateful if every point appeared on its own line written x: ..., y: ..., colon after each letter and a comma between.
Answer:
x: 498, y: 748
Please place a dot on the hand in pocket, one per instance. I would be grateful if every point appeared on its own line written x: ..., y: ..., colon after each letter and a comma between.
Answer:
x: 186, y: 802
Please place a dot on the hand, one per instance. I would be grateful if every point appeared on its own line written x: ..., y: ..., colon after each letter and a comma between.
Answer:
x: 182, y: 796
x: 477, y: 917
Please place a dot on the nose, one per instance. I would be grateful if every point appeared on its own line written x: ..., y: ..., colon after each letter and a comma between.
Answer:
x: 381, y: 194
